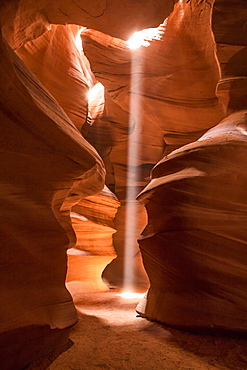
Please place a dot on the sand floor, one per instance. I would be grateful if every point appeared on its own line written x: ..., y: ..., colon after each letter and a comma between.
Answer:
x: 110, y: 335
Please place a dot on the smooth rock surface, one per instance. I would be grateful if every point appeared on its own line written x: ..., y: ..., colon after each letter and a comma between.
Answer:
x: 185, y: 82
x: 46, y: 167
x: 24, y: 20
x: 157, y: 98
x: 171, y: 83
x: 57, y: 62
x: 195, y: 251
x: 93, y: 222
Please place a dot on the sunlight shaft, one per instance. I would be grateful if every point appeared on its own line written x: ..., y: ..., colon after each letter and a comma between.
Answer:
x: 131, y: 222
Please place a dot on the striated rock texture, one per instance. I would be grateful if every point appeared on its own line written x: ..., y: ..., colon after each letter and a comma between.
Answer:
x: 157, y: 98
x: 97, y: 213
x: 46, y: 168
x: 24, y: 20
x: 55, y: 60
x: 195, y: 251
x: 231, y: 15
x: 229, y: 22
x: 46, y: 165
x: 93, y: 223
x: 173, y: 80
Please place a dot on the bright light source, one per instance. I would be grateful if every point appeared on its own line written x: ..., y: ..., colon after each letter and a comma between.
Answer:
x: 96, y: 89
x: 132, y: 223
x: 78, y: 216
x: 77, y: 252
x: 131, y: 295
x: 78, y: 41
x: 142, y: 38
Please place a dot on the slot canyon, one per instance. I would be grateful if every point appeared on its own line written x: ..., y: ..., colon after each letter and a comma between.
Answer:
x: 123, y: 172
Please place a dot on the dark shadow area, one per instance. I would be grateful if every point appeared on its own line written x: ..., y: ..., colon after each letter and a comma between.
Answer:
x: 229, y: 22
x: 237, y: 66
x: 22, y: 347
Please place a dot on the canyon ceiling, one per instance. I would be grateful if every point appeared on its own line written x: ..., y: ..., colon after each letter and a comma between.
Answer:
x: 155, y: 161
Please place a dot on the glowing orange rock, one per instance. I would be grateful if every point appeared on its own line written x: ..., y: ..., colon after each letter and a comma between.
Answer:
x: 56, y: 61
x: 157, y: 98
x: 25, y: 20
x: 176, y: 76
x: 46, y: 167
x: 93, y: 223
x: 195, y: 250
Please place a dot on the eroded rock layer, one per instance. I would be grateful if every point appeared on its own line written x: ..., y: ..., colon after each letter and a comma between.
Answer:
x: 46, y: 167
x: 93, y: 223
x: 173, y: 80
x: 55, y: 60
x: 195, y: 250
x: 157, y: 98
x: 24, y: 20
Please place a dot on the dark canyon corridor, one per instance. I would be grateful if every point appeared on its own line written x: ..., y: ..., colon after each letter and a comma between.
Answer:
x: 123, y: 171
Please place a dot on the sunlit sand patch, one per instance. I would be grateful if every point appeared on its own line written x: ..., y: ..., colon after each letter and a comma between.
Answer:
x: 131, y: 295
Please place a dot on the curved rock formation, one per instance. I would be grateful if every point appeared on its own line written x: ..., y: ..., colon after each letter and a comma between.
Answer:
x: 64, y: 169
x: 157, y: 98
x: 175, y: 76
x: 55, y: 60
x: 46, y: 167
x: 232, y: 52
x: 93, y: 223
x: 195, y: 251
x: 24, y: 20
x: 229, y: 22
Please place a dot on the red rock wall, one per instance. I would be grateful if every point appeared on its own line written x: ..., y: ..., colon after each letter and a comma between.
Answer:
x: 58, y: 64
x: 46, y: 167
x: 195, y: 250
x: 24, y: 20
x: 175, y: 82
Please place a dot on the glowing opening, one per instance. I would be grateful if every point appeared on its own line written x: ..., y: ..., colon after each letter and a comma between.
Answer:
x: 142, y: 38
x: 96, y: 101
x: 78, y: 216
x: 98, y: 88
x: 78, y: 40
x: 131, y: 295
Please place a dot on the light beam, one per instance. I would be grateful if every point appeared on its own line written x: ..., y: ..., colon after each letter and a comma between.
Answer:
x: 131, y: 221
x: 141, y: 38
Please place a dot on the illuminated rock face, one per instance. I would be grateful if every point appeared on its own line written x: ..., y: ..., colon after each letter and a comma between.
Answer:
x: 46, y: 167
x: 93, y: 223
x: 56, y: 61
x: 178, y: 82
x: 120, y: 17
x: 158, y: 97
x: 173, y: 80
x: 195, y: 250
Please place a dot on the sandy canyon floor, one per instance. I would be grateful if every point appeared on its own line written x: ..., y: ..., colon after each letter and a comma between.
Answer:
x: 110, y: 335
